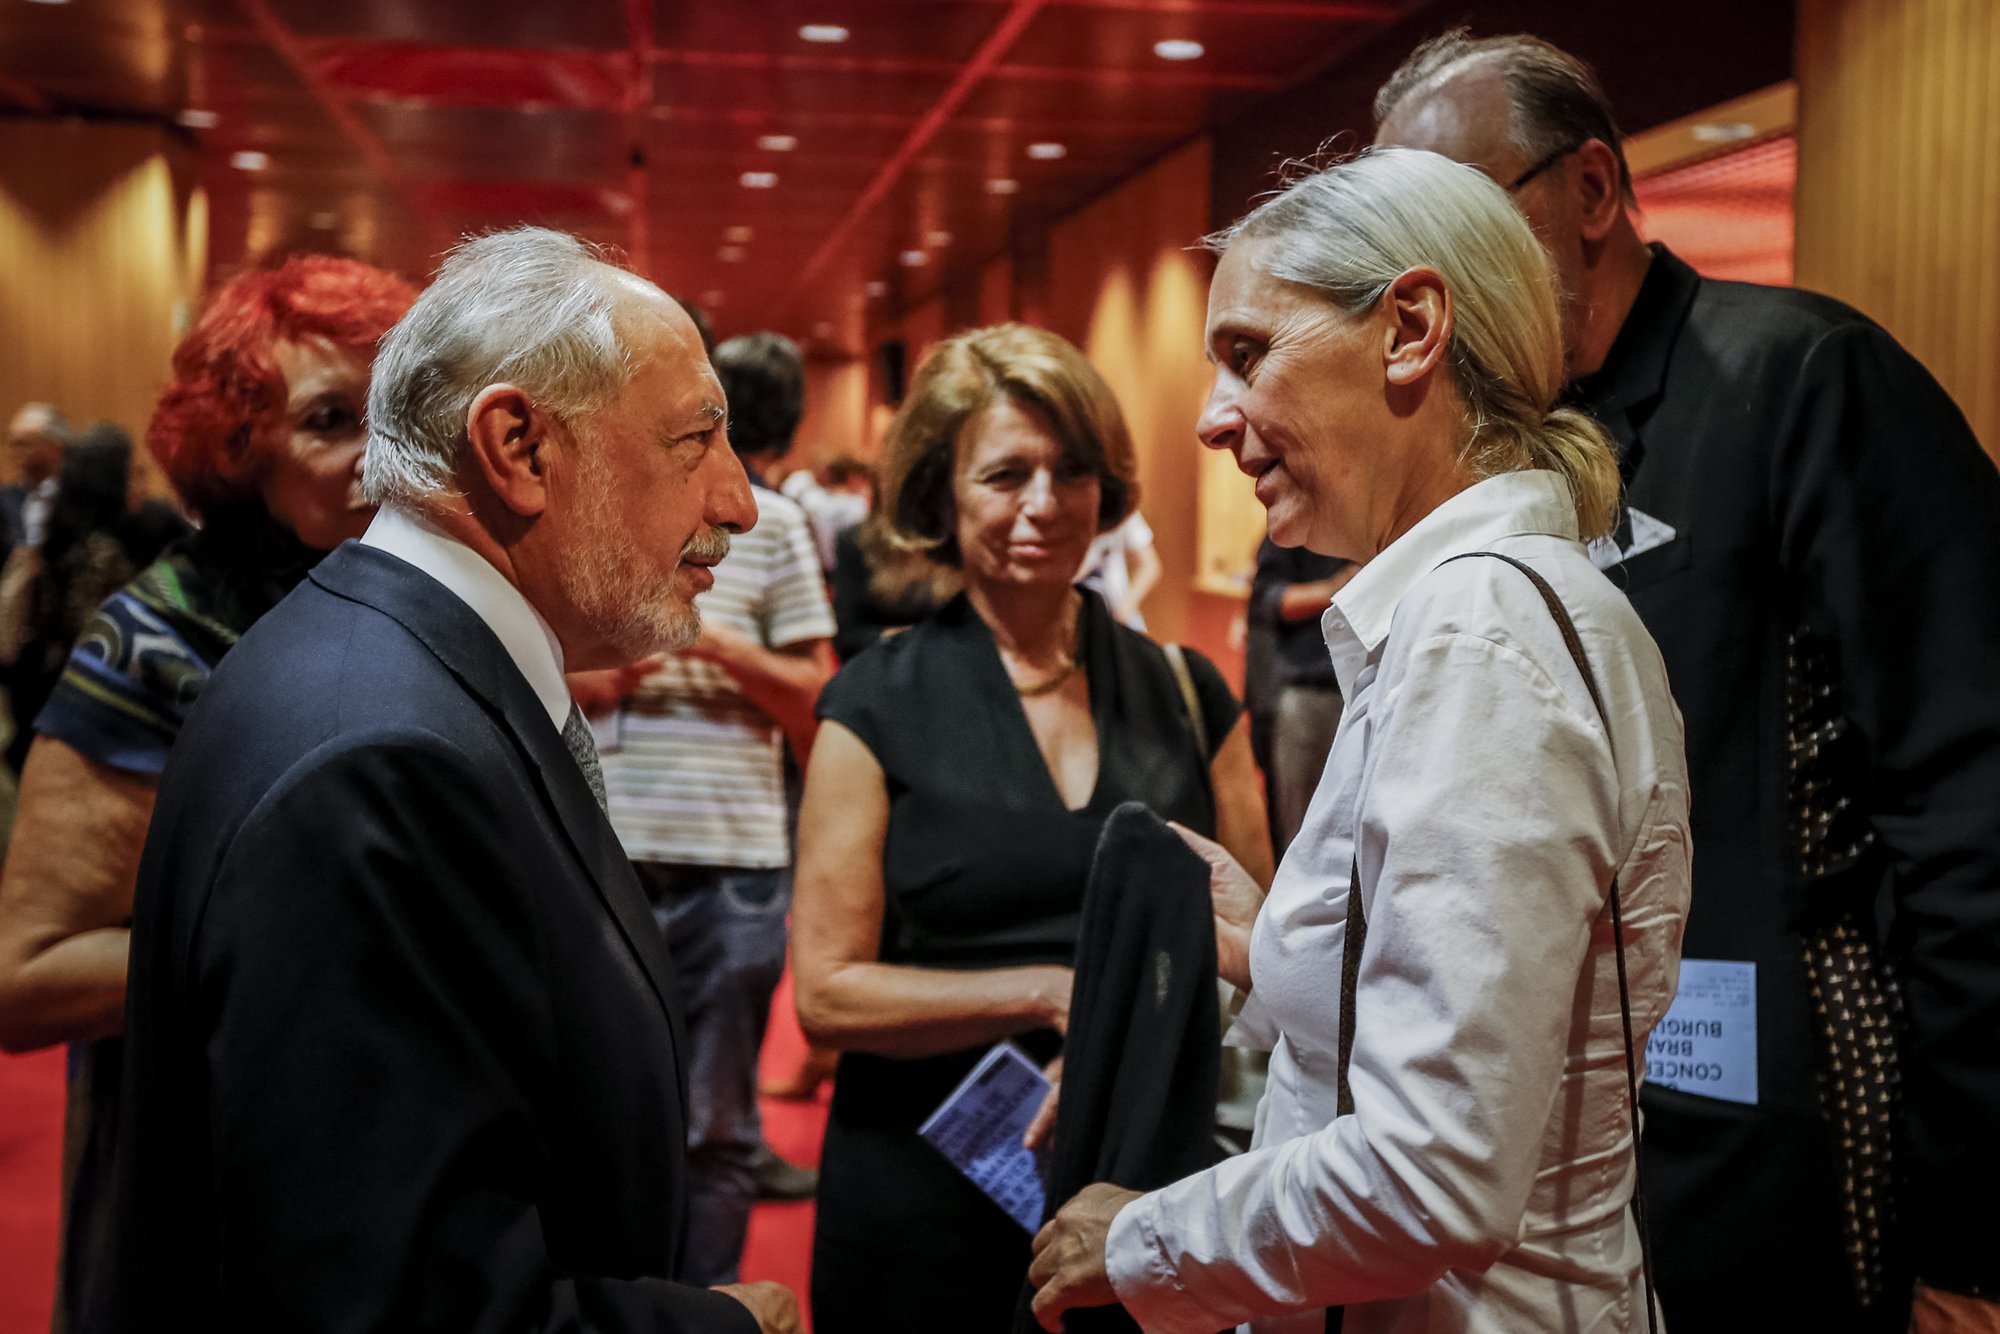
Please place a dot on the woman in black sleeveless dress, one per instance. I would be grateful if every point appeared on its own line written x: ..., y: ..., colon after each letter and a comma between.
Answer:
x: 954, y: 800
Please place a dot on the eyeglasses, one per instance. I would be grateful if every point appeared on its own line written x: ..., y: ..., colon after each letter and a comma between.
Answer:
x: 1543, y: 166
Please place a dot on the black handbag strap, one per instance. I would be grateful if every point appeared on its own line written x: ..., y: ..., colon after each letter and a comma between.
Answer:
x: 1357, y: 934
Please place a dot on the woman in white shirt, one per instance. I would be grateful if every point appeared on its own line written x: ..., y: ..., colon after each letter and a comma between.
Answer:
x: 1388, y: 358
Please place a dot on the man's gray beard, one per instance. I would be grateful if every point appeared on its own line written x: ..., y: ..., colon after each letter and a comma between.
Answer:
x: 606, y: 581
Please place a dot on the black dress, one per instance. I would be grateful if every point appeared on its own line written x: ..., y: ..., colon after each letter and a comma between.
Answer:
x: 982, y: 867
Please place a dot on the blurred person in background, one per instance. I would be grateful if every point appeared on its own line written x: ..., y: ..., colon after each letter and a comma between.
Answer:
x: 1289, y: 594
x: 260, y: 431
x: 1122, y: 567
x: 693, y: 762
x: 835, y: 498
x: 50, y: 588
x: 962, y: 774
x: 35, y: 439
x: 1813, y: 534
x: 1499, y: 842
x: 36, y: 436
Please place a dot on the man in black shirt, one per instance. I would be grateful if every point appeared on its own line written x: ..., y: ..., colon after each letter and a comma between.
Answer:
x: 1298, y: 710
x: 1812, y: 534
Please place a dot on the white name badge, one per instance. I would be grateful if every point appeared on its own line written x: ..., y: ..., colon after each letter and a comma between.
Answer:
x: 1706, y: 1043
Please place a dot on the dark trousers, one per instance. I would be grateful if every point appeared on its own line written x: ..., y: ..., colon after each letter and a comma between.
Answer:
x: 725, y: 931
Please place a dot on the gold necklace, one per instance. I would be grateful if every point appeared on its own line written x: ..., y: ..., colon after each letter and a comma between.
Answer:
x: 1051, y: 683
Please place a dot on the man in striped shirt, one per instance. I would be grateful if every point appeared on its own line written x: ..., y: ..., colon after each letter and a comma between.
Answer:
x: 694, y: 772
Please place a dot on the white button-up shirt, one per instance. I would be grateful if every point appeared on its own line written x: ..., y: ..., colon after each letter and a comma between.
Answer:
x: 471, y: 578
x: 1483, y: 1179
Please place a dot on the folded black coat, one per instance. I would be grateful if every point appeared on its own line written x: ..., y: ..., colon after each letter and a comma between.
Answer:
x: 1143, y: 1054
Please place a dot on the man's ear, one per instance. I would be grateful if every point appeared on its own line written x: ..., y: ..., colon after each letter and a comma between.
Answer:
x: 1418, y: 309
x: 510, y: 437
x: 1600, y: 190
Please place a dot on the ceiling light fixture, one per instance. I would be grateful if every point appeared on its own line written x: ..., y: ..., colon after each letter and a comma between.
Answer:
x: 730, y: 254
x: 937, y: 240
x: 877, y: 289
x: 51, y: 2
x: 823, y: 330
x: 913, y: 259
x: 758, y: 180
x: 1001, y: 185
x: 777, y: 143
x: 714, y: 296
x: 249, y: 160
x: 198, y: 120
x: 1179, y: 48
x: 737, y: 235
x: 1725, y: 132
x: 1047, y: 152
x: 823, y: 32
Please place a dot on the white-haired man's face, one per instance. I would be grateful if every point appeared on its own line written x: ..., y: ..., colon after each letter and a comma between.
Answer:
x: 649, y: 492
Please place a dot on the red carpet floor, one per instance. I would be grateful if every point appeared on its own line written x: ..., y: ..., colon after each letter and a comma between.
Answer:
x: 31, y: 1094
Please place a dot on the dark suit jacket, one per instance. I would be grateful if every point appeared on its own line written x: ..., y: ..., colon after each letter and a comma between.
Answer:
x: 403, y: 1052
x: 1829, y: 613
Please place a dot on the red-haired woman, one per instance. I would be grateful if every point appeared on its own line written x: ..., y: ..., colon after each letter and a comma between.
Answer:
x: 260, y: 431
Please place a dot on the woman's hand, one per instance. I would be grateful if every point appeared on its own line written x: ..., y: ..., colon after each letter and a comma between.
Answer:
x: 1068, y: 1270
x: 1044, y: 1123
x: 1048, y: 987
x: 1237, y: 898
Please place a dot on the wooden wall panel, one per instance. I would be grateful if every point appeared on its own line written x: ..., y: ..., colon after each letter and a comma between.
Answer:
x: 1125, y: 286
x: 1899, y: 179
x: 99, y: 269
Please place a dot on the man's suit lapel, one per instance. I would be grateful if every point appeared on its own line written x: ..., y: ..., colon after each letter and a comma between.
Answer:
x: 471, y: 652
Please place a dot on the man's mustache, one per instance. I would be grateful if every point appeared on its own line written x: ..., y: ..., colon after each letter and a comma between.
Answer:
x: 707, y: 547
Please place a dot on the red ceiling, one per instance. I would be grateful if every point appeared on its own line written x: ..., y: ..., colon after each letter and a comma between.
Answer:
x: 393, y: 125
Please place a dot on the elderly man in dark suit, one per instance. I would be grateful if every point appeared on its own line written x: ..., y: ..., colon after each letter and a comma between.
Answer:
x: 403, y: 1045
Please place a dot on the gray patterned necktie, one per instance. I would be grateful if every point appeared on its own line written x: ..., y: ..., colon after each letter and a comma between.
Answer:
x: 583, y: 749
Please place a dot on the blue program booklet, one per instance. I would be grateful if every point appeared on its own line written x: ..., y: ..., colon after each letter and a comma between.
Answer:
x: 979, y: 1128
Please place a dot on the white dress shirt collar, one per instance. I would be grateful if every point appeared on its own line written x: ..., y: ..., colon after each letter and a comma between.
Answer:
x: 1533, y: 500
x: 473, y: 580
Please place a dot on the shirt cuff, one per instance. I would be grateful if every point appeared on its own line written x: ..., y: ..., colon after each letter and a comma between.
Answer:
x: 1147, y: 1285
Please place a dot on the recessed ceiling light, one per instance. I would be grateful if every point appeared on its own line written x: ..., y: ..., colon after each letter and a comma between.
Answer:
x: 1726, y: 132
x: 198, y: 120
x: 737, y: 235
x: 730, y: 254
x: 1178, y: 48
x: 51, y: 2
x: 877, y: 289
x: 913, y: 259
x: 1047, y: 152
x: 325, y: 222
x: 823, y: 32
x: 249, y: 160
x: 758, y: 180
x: 714, y: 296
x: 937, y: 240
x: 777, y: 143
x: 1001, y: 185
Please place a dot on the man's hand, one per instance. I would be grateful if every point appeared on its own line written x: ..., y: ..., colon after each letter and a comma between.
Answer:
x: 1938, y: 1312
x: 1237, y: 899
x: 1068, y: 1270
x: 597, y: 693
x: 774, y: 1306
x: 721, y: 645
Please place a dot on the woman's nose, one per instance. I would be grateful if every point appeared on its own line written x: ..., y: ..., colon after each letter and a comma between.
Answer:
x: 1220, y: 425
x: 1038, y: 497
